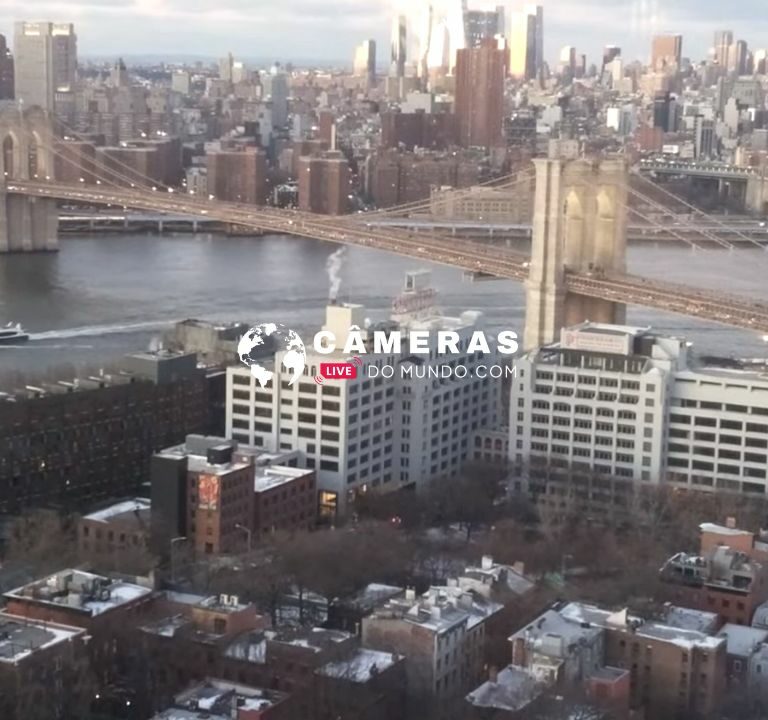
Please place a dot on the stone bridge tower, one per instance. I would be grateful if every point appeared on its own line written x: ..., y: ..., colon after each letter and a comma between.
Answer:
x: 579, y: 225
x: 27, y: 224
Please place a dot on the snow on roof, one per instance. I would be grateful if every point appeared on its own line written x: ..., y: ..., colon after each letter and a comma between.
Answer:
x: 251, y: 647
x: 689, y: 619
x: 361, y: 666
x: 685, y: 639
x: 135, y: 505
x: 722, y: 530
x: 512, y: 690
x: 20, y: 637
x: 742, y: 640
x: 760, y: 618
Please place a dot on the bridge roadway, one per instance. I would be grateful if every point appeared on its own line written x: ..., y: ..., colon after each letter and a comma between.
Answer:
x: 469, y: 255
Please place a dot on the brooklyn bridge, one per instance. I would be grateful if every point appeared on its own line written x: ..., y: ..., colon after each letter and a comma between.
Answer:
x: 576, y: 270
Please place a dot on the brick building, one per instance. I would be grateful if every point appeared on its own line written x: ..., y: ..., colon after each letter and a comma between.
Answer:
x: 43, y: 669
x: 105, y: 608
x: 237, y: 175
x: 728, y: 576
x: 324, y: 184
x: 480, y: 74
x: 78, y: 442
x: 408, y: 131
x: 116, y: 537
x: 393, y: 177
x: 284, y: 499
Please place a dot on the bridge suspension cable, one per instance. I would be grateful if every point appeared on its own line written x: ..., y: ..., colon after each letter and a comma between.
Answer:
x: 696, y: 211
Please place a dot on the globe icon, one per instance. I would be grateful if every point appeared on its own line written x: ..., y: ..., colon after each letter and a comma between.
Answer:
x: 263, y: 341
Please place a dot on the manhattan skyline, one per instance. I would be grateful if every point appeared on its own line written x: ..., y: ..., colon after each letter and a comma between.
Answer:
x: 310, y: 30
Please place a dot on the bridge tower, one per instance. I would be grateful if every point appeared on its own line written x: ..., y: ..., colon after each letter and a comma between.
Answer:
x: 579, y: 225
x: 26, y: 153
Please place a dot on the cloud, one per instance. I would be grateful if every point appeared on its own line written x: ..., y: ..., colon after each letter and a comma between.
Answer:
x: 329, y: 29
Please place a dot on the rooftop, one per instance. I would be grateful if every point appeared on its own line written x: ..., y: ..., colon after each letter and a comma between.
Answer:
x: 741, y: 640
x: 270, y: 477
x: 512, y: 690
x: 689, y: 619
x: 361, y: 666
x: 138, y: 507
x: 21, y: 637
x: 80, y: 591
x: 220, y: 700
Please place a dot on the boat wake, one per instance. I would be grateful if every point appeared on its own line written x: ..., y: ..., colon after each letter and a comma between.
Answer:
x: 96, y: 330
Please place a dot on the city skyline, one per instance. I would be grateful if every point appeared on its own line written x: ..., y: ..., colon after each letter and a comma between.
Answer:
x: 307, y: 30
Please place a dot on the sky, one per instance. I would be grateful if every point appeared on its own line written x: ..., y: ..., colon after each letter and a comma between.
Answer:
x: 328, y: 30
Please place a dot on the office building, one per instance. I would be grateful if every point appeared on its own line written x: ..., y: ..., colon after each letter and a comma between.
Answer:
x: 6, y: 70
x: 623, y: 402
x: 180, y: 82
x: 483, y: 25
x: 237, y: 175
x: 610, y: 53
x: 365, y: 61
x: 324, y: 183
x: 372, y: 432
x: 526, y: 42
x: 274, y: 86
x: 225, y: 68
x: 480, y: 76
x: 567, y: 64
x: 738, y: 58
x: 666, y: 53
x: 439, y: 33
x: 479, y: 203
x: 399, y: 46
x: 705, y: 139
x: 46, y: 66
x: 722, y: 47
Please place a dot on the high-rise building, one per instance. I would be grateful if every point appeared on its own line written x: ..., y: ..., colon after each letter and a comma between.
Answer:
x: 610, y: 53
x: 365, y: 60
x: 275, y: 90
x: 738, y: 58
x: 480, y: 25
x: 225, y: 68
x: 568, y: 60
x: 399, y: 46
x: 704, y: 137
x: 6, y: 71
x: 46, y: 66
x: 723, y: 42
x: 526, y: 42
x: 377, y: 431
x: 666, y: 53
x: 480, y: 94
x: 324, y: 184
x: 438, y: 34
x: 237, y: 175
x: 621, y: 402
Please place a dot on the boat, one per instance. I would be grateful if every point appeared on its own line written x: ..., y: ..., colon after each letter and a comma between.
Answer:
x: 12, y: 334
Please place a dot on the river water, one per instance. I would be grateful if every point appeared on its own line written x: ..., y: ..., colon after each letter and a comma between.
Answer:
x: 103, y: 296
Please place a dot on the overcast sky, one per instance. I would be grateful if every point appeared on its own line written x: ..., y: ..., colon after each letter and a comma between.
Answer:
x: 329, y: 29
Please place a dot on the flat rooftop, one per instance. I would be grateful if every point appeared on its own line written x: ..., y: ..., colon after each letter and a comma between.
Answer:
x: 21, y: 637
x: 80, y: 591
x: 118, y: 511
x: 273, y: 476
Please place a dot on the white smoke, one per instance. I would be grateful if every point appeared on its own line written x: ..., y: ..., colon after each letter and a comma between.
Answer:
x: 334, y: 265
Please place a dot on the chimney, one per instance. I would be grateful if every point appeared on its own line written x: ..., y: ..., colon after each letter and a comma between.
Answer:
x: 493, y: 674
x: 519, y: 567
x: 434, y: 613
x: 410, y: 594
x: 487, y: 562
x: 730, y: 522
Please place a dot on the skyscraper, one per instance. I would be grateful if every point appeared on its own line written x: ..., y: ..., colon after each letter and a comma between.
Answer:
x: 723, y: 42
x: 365, y: 60
x: 275, y: 90
x: 6, y: 71
x: 666, y: 53
x: 46, y: 65
x: 438, y: 27
x: 738, y: 55
x: 480, y: 94
x: 526, y: 42
x: 399, y: 54
x: 610, y: 53
x: 482, y: 24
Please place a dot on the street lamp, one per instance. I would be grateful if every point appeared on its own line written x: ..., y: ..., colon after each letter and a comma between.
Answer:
x: 247, y: 532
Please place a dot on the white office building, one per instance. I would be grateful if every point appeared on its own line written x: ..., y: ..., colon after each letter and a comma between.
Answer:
x: 626, y: 402
x: 373, y: 432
